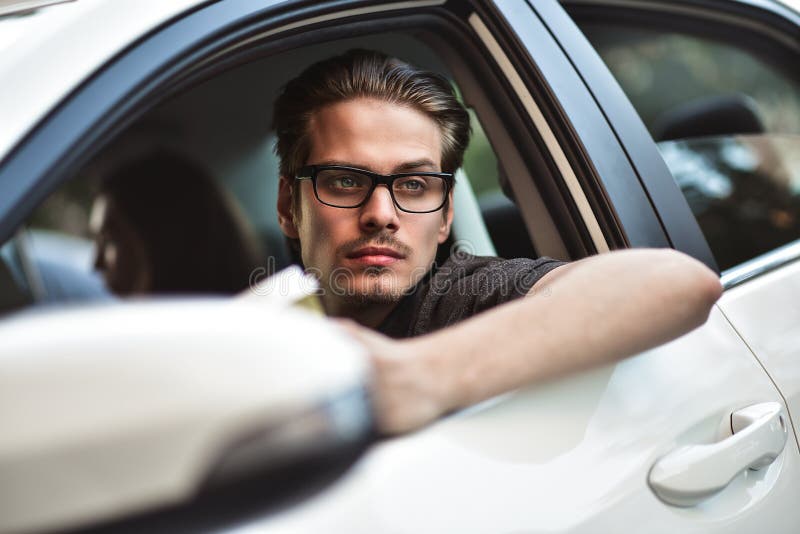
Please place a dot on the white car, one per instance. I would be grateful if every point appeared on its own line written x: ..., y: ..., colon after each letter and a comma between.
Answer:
x: 598, y: 125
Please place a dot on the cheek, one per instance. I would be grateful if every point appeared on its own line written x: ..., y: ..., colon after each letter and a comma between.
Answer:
x: 321, y: 230
x: 426, y: 236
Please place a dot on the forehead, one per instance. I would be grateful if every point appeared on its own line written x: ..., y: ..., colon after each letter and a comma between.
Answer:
x: 373, y: 134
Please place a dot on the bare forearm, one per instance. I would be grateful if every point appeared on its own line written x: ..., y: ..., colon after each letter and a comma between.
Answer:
x: 600, y: 309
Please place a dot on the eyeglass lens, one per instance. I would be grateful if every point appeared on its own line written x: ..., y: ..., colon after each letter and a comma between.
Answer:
x: 347, y: 189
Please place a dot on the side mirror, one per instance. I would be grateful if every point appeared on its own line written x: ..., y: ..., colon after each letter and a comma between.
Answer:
x: 145, y: 409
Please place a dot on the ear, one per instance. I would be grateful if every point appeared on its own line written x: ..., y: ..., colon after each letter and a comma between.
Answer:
x: 447, y: 220
x: 285, y: 218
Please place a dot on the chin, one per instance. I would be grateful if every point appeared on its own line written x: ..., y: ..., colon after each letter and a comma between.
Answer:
x: 375, y: 285
x: 383, y: 288
x: 366, y: 300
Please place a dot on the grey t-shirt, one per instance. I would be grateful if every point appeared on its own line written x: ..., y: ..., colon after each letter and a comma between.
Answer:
x: 462, y: 287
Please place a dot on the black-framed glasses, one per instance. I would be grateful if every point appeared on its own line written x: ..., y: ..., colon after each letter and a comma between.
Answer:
x: 347, y: 187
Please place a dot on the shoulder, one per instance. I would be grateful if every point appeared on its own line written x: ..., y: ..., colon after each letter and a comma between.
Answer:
x: 466, y: 285
x: 486, y: 273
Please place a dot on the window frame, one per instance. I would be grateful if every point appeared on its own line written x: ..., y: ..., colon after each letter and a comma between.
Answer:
x: 192, y: 47
x: 167, y: 60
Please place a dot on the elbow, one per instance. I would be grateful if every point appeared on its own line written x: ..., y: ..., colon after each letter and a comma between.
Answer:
x: 700, y: 287
x: 708, y: 290
x: 711, y: 286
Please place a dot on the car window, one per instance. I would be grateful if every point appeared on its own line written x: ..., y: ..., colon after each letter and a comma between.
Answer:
x: 14, y: 290
x: 727, y: 122
x: 58, y: 247
x: 233, y: 146
x: 480, y: 162
x: 128, y: 221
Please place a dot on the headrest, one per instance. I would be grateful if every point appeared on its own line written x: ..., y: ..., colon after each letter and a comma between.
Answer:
x: 712, y: 116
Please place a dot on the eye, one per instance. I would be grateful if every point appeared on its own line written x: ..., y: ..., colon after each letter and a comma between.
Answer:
x: 411, y: 184
x: 342, y: 182
x: 345, y: 182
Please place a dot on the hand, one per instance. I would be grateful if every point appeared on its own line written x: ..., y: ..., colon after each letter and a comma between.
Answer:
x: 405, y: 386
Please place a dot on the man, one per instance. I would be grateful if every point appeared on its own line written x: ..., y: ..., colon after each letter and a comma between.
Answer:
x: 367, y: 147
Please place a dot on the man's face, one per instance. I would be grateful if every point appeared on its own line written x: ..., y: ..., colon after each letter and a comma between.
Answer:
x: 371, y: 254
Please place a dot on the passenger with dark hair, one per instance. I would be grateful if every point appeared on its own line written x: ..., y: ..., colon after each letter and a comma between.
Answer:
x: 163, y: 226
x: 368, y: 148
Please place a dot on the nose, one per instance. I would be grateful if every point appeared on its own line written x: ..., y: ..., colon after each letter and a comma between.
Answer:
x: 379, y: 212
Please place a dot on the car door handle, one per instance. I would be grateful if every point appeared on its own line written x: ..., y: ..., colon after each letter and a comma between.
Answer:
x: 690, y: 474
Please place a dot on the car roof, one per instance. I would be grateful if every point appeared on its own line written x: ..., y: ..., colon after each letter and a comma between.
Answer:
x: 46, y: 53
x: 794, y: 4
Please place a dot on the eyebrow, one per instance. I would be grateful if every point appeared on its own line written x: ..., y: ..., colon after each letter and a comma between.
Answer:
x: 403, y: 167
x: 413, y: 165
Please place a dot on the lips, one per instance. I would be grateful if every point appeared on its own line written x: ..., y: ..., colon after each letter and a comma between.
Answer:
x: 378, y: 256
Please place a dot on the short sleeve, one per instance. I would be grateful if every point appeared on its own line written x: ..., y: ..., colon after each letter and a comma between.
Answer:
x: 467, y: 285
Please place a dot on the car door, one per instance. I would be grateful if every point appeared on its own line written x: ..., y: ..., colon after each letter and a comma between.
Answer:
x: 729, y: 131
